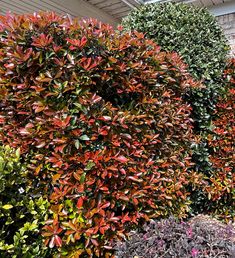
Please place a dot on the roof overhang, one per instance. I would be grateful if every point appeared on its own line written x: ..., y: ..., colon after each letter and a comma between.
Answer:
x: 222, y: 9
x: 218, y: 7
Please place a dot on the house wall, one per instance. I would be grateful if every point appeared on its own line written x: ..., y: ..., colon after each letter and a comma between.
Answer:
x: 228, y: 24
x: 76, y: 8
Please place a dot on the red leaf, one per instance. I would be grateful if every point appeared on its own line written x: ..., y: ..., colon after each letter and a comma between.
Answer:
x: 114, y: 219
x: 80, y: 202
x: 42, y: 40
x: 94, y: 242
x: 83, y: 41
x: 24, y: 131
x: 135, y: 179
x: 58, y: 241
x: 105, y: 118
x: 106, y: 205
x: 104, y: 188
x: 122, y: 159
x: 2, y: 119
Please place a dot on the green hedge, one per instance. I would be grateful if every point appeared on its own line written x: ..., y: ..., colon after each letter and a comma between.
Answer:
x: 21, y: 210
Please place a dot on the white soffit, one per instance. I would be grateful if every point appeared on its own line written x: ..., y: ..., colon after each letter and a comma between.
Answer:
x: 216, y: 7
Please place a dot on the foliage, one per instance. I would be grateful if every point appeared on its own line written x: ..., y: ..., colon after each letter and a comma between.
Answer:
x: 194, y: 33
x: 102, y: 125
x: 221, y: 183
x: 216, y: 193
x: 191, y: 31
x: 21, y: 213
x: 170, y: 238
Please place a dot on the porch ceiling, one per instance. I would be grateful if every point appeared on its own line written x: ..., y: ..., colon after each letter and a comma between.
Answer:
x: 120, y: 8
x: 116, y: 8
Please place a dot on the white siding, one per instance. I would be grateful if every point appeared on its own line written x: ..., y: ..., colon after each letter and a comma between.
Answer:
x: 77, y: 8
x: 228, y: 24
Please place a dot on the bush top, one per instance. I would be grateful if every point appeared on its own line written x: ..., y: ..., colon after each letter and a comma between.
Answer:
x: 191, y: 31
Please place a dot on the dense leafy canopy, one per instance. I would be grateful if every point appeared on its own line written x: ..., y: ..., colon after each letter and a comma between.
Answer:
x: 216, y: 194
x: 193, y: 33
x: 101, y: 124
x: 221, y: 187
x: 106, y: 136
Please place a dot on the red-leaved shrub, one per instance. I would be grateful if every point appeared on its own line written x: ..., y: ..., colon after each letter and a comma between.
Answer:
x: 99, y: 118
x: 221, y: 187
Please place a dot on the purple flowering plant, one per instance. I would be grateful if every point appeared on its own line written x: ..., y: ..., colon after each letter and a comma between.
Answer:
x: 170, y: 238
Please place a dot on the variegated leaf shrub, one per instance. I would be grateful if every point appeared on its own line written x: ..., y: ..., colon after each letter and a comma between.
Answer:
x: 99, y: 118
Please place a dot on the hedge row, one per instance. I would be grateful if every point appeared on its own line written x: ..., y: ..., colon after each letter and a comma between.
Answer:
x: 195, y: 34
x: 105, y: 140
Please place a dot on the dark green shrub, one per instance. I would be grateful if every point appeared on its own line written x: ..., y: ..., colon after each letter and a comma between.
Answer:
x: 21, y: 213
x: 200, y: 238
x: 102, y: 124
x: 193, y: 33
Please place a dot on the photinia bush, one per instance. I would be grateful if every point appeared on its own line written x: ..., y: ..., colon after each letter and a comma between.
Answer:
x: 195, y: 34
x: 101, y: 124
x: 222, y: 143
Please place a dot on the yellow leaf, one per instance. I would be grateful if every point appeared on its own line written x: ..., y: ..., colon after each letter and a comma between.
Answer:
x: 56, y: 177
x: 7, y: 206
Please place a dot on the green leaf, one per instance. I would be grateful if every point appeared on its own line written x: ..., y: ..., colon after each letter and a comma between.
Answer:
x: 77, y: 144
x: 82, y: 179
x: 18, y: 153
x: 84, y: 138
x: 89, y: 165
